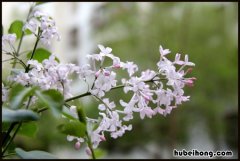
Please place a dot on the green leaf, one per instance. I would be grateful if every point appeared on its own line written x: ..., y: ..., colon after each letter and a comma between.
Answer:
x: 16, y: 27
x: 74, y: 128
x: 96, y: 126
x: 28, y: 129
x: 18, y: 115
x: 81, y: 115
x: 99, y: 153
x: 41, y: 54
x: 53, y: 99
x: 18, y: 94
x: 35, y: 154
x: 27, y: 32
x: 68, y: 116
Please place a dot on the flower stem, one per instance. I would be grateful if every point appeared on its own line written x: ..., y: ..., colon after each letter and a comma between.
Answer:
x: 20, y: 61
x: 79, y: 96
x: 10, y: 141
x: 26, y: 70
x: 42, y: 109
x: 12, y: 126
x: 119, y: 86
x: 90, y: 146
x: 8, y: 132
x: 20, y: 43
x: 33, y: 52
x: 21, y: 39
x: 88, y: 94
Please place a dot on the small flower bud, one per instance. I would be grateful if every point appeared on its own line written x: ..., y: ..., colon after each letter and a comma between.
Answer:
x: 88, y: 151
x: 146, y: 98
x: 77, y: 145
x: 116, y: 66
x: 189, y: 83
x: 97, y: 73
x: 193, y: 78
x: 106, y: 73
x: 189, y: 70
x: 102, y: 137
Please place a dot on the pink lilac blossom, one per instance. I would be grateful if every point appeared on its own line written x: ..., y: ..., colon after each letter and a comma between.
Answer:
x: 130, y: 66
x: 42, y: 23
x: 146, y: 89
x: 103, y: 84
x: 162, y: 88
x: 48, y: 75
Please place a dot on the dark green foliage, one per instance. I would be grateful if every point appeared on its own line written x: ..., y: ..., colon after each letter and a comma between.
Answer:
x: 52, y: 99
x: 74, y: 128
x: 28, y: 129
x: 81, y: 115
x: 18, y: 95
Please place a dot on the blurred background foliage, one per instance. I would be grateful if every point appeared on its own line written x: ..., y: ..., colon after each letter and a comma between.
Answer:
x: 207, y: 32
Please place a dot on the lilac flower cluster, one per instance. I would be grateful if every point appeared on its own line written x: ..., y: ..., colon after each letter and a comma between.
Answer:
x: 147, y: 88
x: 42, y: 25
x: 47, y: 75
x: 162, y: 88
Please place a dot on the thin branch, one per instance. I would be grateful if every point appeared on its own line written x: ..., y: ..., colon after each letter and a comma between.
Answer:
x: 7, y: 60
x: 10, y: 141
x: 42, y: 109
x: 33, y: 52
x: 79, y: 96
x: 102, y: 102
x: 90, y: 146
x: 20, y: 61
x: 119, y: 86
x: 9, y: 131
x: 12, y: 126
x: 21, y: 38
